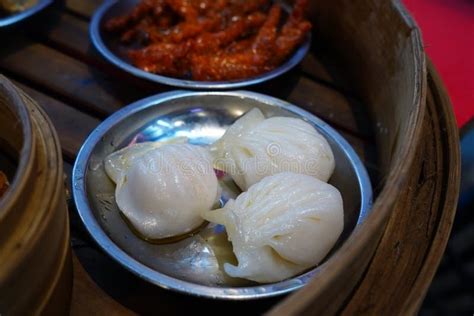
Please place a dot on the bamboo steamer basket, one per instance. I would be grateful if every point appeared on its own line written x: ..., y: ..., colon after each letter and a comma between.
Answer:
x: 35, y: 258
x: 379, y: 49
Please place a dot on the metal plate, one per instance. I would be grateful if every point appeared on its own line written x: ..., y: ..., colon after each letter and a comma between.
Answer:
x: 194, y: 265
x: 18, y: 17
x: 109, y: 47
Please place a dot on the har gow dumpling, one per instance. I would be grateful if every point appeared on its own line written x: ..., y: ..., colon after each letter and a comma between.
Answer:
x: 281, y: 226
x: 163, y: 189
x: 255, y: 147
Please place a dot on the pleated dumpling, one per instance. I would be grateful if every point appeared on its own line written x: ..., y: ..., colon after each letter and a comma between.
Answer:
x: 281, y: 226
x: 163, y: 189
x: 255, y: 147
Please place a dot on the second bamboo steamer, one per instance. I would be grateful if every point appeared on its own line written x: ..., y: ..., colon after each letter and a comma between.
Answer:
x: 35, y: 259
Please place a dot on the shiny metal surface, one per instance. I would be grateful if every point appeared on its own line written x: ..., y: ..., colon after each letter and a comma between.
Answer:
x: 194, y: 265
x: 17, y: 17
x: 111, y: 50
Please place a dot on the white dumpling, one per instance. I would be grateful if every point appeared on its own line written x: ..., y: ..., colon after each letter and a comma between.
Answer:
x: 163, y: 189
x: 281, y: 226
x: 255, y: 147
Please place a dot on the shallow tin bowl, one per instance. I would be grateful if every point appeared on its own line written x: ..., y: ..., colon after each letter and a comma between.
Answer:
x: 191, y: 265
x: 14, y: 18
x: 109, y: 47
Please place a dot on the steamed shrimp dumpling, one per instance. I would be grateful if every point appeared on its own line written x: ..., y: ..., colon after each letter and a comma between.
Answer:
x: 281, y: 226
x: 163, y: 189
x: 255, y: 147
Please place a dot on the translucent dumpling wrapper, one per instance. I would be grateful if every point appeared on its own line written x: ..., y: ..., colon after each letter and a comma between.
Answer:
x: 281, y: 226
x: 162, y: 189
x: 118, y: 162
x: 255, y: 147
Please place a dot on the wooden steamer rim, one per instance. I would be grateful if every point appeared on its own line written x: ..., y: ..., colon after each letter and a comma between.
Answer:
x: 328, y: 291
x: 15, y: 104
x: 36, y: 273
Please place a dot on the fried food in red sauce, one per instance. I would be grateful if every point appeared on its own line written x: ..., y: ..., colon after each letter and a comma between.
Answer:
x: 292, y: 33
x: 249, y: 63
x: 210, y: 40
x: 3, y: 183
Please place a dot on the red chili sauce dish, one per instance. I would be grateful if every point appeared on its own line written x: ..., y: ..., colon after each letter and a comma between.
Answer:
x: 210, y: 40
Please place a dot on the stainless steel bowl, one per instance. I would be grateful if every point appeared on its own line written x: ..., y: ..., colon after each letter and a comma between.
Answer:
x: 190, y: 265
x: 18, y: 17
x: 110, y: 49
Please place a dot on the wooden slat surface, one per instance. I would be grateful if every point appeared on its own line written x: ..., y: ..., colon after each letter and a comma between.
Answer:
x: 89, y: 299
x: 72, y: 125
x: 56, y: 64
x: 66, y: 77
x: 324, y: 100
x: 81, y: 7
